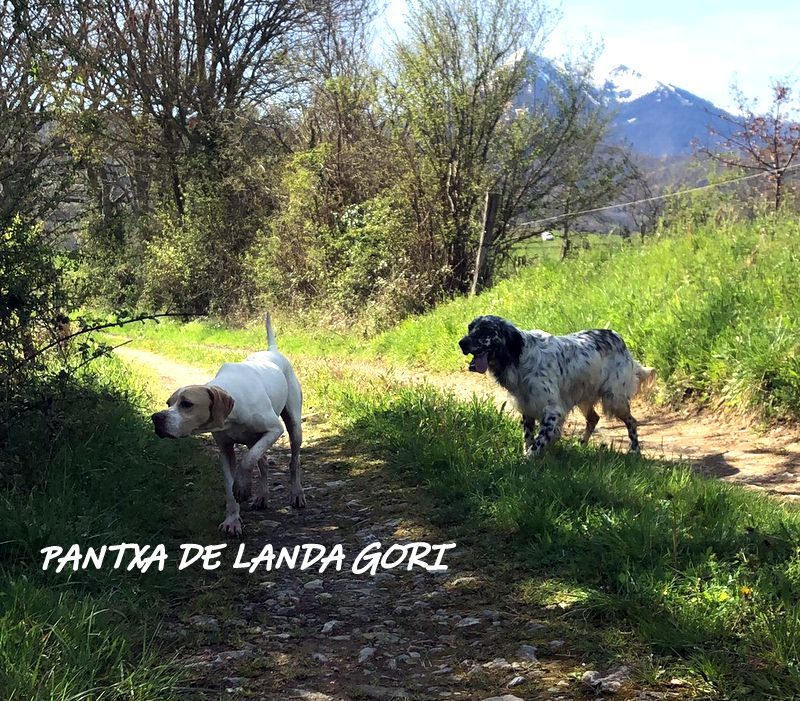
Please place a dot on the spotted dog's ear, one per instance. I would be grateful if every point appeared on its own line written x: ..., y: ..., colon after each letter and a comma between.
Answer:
x: 219, y: 409
x: 513, y: 340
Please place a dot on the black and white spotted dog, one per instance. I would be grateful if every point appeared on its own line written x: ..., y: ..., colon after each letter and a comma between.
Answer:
x: 547, y: 376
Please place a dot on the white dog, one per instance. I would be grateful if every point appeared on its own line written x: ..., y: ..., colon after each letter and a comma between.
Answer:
x: 244, y: 404
x: 547, y: 376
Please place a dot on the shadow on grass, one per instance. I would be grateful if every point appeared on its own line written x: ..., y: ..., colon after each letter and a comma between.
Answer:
x: 82, y: 466
x: 704, y: 574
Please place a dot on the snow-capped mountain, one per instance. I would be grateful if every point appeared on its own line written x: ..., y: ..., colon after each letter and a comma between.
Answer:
x: 624, y: 84
x: 655, y: 118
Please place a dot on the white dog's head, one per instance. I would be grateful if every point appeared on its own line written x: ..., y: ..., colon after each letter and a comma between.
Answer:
x: 193, y: 409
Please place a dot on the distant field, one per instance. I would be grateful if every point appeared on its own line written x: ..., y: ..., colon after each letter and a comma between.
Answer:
x: 535, y: 251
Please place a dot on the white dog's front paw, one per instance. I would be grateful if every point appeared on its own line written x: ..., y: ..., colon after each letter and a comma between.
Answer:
x: 231, y: 526
x: 298, y: 499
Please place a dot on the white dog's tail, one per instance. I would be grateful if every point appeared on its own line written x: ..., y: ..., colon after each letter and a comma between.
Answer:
x: 646, y: 377
x: 272, y: 344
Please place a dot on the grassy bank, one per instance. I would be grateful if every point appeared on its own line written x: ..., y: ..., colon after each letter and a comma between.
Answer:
x: 635, y: 561
x: 716, y: 311
x: 83, y: 466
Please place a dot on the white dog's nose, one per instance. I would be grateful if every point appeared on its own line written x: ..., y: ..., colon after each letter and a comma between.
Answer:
x: 159, y: 424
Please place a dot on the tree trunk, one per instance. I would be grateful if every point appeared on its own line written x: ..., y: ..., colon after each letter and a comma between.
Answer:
x: 479, y: 277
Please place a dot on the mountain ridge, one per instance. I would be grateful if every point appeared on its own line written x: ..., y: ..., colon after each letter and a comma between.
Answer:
x: 655, y: 119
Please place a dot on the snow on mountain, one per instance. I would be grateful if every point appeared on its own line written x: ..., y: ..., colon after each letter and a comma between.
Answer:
x: 624, y: 84
x: 654, y: 118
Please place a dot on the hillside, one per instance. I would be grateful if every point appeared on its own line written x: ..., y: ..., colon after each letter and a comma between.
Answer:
x: 716, y: 311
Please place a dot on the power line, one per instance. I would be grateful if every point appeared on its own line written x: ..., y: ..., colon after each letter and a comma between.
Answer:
x: 656, y: 198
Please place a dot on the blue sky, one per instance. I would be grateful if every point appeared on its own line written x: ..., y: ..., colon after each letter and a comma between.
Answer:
x: 702, y: 45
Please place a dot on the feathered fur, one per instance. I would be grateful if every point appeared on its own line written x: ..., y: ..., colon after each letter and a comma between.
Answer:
x: 547, y: 376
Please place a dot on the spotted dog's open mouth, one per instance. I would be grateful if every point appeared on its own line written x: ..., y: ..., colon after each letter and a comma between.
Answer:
x: 479, y: 363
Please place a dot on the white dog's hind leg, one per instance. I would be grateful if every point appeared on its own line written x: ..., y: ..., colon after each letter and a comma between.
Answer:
x: 295, y: 429
x: 262, y: 485
x: 227, y: 462
x: 242, y: 483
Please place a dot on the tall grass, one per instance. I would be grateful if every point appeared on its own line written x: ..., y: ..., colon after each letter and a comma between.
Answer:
x: 655, y: 559
x: 83, y: 466
x: 715, y: 310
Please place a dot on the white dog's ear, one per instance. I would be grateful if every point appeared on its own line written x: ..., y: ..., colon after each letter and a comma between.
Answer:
x: 221, y: 406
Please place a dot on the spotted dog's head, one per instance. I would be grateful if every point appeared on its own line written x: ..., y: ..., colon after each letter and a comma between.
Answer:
x: 494, y: 342
x: 193, y: 409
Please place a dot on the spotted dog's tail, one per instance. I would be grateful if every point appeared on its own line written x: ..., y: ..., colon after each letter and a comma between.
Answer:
x: 646, y: 377
x: 272, y: 344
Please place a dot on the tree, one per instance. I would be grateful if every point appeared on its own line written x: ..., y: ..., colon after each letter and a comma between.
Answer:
x: 457, y: 73
x: 761, y: 143
x: 35, y: 166
x: 550, y: 161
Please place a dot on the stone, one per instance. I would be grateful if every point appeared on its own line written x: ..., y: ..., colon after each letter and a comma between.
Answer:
x: 468, y: 621
x: 307, y: 695
x: 476, y: 671
x: 382, y: 693
x: 527, y: 653
x: 610, y: 682
x: 209, y: 624
x: 234, y: 655
x: 329, y: 626
x: 516, y: 681
x: 365, y: 653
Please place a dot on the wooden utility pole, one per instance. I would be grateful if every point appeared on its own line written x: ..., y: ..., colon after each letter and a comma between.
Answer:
x: 489, y: 212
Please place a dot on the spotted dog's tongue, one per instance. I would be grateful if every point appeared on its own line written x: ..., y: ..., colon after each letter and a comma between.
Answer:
x: 480, y: 363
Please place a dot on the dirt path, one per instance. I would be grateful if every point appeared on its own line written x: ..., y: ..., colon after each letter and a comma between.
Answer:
x: 723, y: 447
x: 338, y: 636
x: 464, y: 634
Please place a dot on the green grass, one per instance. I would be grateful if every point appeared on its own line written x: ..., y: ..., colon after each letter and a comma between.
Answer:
x: 654, y: 565
x: 715, y: 311
x: 86, y: 468
x: 206, y: 344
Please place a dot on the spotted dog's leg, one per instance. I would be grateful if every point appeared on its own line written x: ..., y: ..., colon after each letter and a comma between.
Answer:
x: 623, y: 413
x: 592, y: 417
x: 631, y: 425
x: 551, y: 429
x: 528, y: 430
